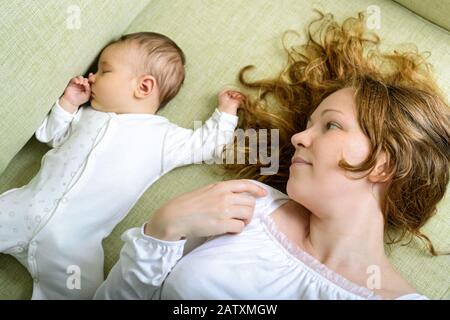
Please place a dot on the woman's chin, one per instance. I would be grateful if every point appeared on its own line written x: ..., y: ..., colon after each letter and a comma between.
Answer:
x: 294, y: 189
x: 290, y: 187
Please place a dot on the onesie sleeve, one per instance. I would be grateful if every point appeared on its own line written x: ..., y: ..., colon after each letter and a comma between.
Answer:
x: 184, y: 146
x: 144, y: 264
x: 55, y: 128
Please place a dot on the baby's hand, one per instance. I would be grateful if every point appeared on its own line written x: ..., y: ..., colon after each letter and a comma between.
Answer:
x: 77, y: 92
x: 229, y: 101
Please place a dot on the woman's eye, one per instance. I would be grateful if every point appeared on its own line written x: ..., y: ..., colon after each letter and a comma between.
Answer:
x: 331, y: 124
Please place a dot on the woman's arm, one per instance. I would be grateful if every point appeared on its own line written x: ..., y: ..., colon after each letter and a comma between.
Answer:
x: 223, y: 207
x: 150, y: 252
x: 143, y: 265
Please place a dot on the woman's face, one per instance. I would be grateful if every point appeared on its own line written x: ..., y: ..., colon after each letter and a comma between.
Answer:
x: 332, y: 134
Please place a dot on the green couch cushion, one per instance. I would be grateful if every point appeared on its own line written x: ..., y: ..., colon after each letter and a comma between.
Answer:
x: 43, y: 46
x: 220, y: 37
x: 432, y: 10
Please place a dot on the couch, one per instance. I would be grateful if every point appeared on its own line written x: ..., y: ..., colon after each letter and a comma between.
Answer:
x: 44, y: 43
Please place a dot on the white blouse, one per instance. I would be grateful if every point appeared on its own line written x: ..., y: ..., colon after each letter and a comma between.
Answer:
x: 259, y: 263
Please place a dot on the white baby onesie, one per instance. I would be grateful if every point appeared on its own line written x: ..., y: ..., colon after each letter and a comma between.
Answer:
x: 100, y: 165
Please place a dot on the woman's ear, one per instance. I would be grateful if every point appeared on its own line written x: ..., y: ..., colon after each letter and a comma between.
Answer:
x: 381, y: 172
x: 146, y: 86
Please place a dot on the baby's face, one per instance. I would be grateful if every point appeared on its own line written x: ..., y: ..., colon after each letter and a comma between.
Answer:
x: 112, y: 85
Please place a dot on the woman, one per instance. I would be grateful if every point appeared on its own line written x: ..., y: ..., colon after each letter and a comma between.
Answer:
x: 364, y: 146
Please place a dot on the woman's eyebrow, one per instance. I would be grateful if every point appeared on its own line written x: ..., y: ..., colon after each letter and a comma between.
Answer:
x: 323, y: 112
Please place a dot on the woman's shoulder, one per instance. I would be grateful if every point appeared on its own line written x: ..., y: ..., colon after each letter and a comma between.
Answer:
x: 267, y: 204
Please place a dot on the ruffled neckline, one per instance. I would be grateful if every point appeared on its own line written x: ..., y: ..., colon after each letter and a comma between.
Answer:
x: 315, y: 265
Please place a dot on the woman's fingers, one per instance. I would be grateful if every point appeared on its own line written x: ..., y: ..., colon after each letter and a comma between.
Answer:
x: 243, y: 199
x: 243, y: 213
x: 240, y: 186
x: 233, y: 226
x: 236, y: 186
x: 222, y: 207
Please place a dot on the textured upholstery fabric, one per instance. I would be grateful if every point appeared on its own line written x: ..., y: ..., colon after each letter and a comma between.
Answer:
x: 42, y: 46
x: 218, y: 38
x: 435, y: 11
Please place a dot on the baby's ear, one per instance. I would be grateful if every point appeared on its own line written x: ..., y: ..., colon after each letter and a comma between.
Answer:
x: 146, y: 86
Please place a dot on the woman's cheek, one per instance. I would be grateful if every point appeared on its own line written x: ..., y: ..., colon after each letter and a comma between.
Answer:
x: 356, y: 150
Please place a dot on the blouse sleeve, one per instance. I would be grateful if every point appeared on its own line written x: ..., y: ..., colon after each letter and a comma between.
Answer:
x: 144, y: 264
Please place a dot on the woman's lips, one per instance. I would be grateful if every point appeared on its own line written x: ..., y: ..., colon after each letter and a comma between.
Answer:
x: 299, y: 160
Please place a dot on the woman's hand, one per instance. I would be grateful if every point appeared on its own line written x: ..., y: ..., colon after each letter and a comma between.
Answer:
x: 224, y: 207
x: 77, y: 92
x: 230, y: 101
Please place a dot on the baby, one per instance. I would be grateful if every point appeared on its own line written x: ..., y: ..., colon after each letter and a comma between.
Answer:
x: 103, y: 158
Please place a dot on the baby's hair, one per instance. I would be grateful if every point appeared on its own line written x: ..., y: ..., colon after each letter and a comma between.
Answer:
x: 162, y: 58
x: 399, y: 105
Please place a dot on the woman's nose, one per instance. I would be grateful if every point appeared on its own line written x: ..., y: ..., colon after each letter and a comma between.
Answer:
x: 300, y: 139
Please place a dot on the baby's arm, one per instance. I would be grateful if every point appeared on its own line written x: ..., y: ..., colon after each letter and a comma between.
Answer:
x: 184, y: 146
x: 56, y: 126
